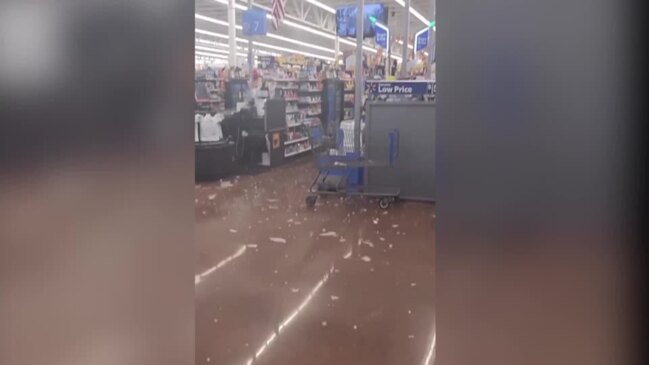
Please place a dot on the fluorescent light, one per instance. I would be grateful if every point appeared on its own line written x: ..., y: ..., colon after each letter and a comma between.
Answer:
x: 321, y: 6
x: 413, y: 12
x: 284, y: 49
x: 243, y: 49
x: 324, y: 49
x: 401, y: 43
x: 210, y: 55
x: 218, y: 50
x: 295, y: 25
x: 237, y: 6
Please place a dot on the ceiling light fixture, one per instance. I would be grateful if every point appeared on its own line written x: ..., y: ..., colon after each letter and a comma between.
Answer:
x: 321, y: 6
x: 413, y: 12
x: 277, y: 48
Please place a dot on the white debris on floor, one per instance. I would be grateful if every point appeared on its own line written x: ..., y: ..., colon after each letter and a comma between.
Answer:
x: 226, y: 184
x: 413, y: 284
x: 348, y: 255
x: 277, y: 240
x: 252, y: 245
x: 211, y: 196
x: 334, y: 297
x: 329, y: 234
x: 233, y: 230
x: 324, y: 323
x: 366, y: 258
x: 375, y: 221
x: 395, y: 226
x: 295, y: 290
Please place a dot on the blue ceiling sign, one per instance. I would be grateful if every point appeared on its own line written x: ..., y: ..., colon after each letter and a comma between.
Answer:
x: 382, y: 35
x: 254, y: 22
x: 421, y: 39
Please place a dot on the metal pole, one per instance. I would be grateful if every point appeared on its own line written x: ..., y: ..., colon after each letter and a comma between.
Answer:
x: 336, y: 48
x: 431, y: 46
x: 251, y: 59
x: 358, y: 92
x: 406, y: 36
x: 232, y: 34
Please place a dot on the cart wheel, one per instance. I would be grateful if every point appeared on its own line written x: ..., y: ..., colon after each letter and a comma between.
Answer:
x: 384, y: 203
x: 310, y: 200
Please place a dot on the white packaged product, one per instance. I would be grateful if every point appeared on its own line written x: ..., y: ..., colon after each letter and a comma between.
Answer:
x: 211, y: 128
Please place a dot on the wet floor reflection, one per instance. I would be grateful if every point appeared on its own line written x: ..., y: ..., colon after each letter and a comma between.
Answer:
x: 277, y: 283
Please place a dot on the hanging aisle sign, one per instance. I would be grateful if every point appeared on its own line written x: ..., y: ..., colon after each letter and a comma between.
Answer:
x: 421, y: 39
x: 382, y: 36
x: 414, y: 87
x: 254, y: 22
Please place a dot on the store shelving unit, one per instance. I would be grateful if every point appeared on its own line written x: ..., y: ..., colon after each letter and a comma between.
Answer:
x: 309, y: 105
x: 349, y: 100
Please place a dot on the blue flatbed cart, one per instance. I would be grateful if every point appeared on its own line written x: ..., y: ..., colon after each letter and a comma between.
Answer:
x: 343, y: 174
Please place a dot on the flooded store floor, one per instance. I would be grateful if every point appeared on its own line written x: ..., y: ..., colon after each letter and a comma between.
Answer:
x: 343, y: 283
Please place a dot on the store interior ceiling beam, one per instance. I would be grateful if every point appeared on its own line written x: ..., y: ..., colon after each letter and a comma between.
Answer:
x: 299, y: 26
x: 265, y: 45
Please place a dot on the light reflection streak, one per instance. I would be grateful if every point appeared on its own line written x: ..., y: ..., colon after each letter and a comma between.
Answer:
x: 292, y: 316
x: 198, y: 278
x: 431, y: 351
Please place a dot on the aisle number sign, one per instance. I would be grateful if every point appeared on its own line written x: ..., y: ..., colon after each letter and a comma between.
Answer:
x: 421, y: 39
x: 254, y: 22
x: 382, y: 36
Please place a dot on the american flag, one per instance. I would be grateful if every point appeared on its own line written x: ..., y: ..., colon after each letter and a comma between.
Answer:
x: 278, y: 13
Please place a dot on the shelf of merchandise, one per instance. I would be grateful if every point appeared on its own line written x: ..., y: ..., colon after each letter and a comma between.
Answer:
x: 297, y: 152
x: 296, y: 140
x: 293, y: 125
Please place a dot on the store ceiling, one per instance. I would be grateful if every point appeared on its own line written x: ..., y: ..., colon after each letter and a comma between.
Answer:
x: 216, y: 9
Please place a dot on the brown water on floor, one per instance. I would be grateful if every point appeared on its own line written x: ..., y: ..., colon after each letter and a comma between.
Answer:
x: 278, y: 283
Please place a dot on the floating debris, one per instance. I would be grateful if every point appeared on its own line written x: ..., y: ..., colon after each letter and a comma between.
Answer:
x: 381, y: 239
x: 411, y: 336
x: 395, y: 226
x: 333, y: 297
x: 329, y: 234
x: 277, y: 240
x: 233, y: 230
x: 324, y: 323
x: 252, y: 245
x: 348, y: 255
x: 366, y: 258
x: 413, y: 284
x: 295, y: 290
x: 375, y: 221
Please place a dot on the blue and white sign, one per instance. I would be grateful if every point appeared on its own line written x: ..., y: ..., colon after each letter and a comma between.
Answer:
x: 421, y: 39
x: 254, y: 22
x: 382, y: 36
x: 414, y: 87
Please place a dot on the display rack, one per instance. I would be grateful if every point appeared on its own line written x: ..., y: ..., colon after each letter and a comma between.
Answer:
x: 310, y: 106
x: 348, y: 100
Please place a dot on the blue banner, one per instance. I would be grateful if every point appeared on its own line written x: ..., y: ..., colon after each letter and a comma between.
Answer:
x: 254, y: 22
x: 399, y: 87
x: 382, y: 36
x: 421, y: 39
